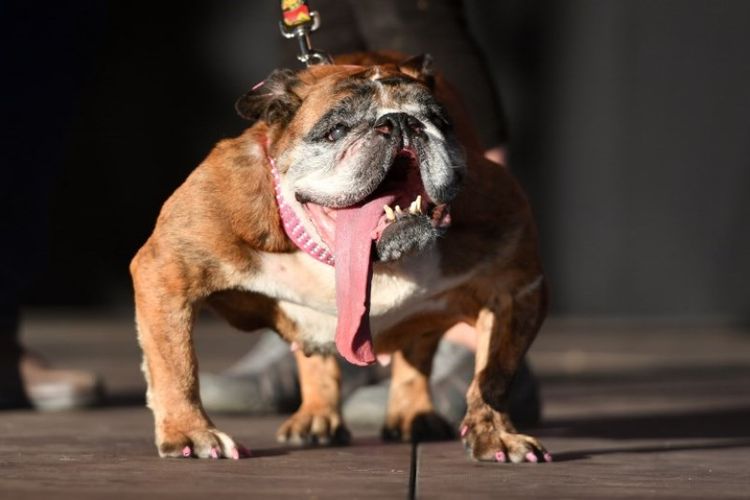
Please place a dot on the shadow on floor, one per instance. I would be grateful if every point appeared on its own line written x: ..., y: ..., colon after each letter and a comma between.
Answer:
x: 124, y: 399
x: 267, y: 452
x: 584, y: 454
x: 724, y: 424
x: 715, y: 424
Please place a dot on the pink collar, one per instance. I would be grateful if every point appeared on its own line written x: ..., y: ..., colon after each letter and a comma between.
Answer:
x: 293, y: 226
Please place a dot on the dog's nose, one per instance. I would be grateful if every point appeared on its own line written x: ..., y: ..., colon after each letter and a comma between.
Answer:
x: 391, y: 124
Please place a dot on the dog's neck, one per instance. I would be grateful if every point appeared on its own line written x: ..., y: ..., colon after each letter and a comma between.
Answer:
x: 292, y: 225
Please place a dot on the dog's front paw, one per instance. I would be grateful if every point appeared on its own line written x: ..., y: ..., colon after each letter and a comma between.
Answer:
x: 314, y: 426
x: 488, y: 436
x: 416, y: 427
x: 204, y: 442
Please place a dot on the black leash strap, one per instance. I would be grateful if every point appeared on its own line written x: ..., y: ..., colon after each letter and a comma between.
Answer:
x: 298, y: 21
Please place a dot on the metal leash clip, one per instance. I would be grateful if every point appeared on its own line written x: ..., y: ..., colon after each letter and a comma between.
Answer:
x: 298, y: 22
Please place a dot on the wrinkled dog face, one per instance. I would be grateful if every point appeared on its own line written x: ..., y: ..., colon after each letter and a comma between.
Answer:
x: 349, y: 151
x: 373, y: 138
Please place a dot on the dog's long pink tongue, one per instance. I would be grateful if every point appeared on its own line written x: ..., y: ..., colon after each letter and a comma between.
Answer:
x: 354, y: 228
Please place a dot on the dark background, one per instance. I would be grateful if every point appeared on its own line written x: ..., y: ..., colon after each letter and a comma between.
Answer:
x: 628, y: 124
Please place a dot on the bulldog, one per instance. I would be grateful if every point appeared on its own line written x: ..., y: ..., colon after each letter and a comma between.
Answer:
x: 355, y: 216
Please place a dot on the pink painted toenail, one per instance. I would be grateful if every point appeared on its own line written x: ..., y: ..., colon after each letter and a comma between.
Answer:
x: 214, y: 453
x: 464, y: 430
x: 500, y: 456
x: 547, y: 457
x: 531, y: 457
x: 186, y: 451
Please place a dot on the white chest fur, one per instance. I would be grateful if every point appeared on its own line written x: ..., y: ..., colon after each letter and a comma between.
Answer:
x: 306, y: 290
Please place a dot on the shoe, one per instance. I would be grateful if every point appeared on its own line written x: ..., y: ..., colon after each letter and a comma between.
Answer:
x: 50, y: 389
x: 265, y: 380
x: 366, y: 406
x: 454, y: 370
x: 452, y: 373
x: 31, y: 383
x: 27, y: 381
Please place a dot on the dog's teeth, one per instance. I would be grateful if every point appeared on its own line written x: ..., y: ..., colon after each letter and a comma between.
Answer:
x: 398, y: 210
x: 389, y: 215
x: 416, y: 206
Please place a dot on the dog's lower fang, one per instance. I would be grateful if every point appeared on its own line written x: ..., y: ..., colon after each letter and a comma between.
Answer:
x: 416, y: 206
x: 389, y: 215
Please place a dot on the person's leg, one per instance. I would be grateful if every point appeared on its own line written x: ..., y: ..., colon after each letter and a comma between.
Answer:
x: 12, y: 394
x: 451, y: 376
x: 26, y: 380
x: 265, y: 380
x: 43, y: 71
x: 439, y: 28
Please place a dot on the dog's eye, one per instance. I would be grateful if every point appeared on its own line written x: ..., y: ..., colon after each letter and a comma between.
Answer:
x: 337, y: 132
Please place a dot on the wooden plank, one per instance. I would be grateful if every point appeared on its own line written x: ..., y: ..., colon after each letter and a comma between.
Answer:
x: 110, y: 453
x: 110, y: 450
x: 631, y: 410
x: 594, y: 468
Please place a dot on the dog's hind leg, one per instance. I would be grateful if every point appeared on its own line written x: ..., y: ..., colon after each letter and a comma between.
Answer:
x: 411, y: 415
x: 318, y: 420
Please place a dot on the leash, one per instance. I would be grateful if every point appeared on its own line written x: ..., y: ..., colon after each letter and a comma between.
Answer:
x: 298, y: 21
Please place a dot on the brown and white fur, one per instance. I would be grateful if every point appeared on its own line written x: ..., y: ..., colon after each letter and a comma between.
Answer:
x: 219, y: 243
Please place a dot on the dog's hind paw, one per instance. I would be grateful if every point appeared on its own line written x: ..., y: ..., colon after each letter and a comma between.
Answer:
x: 308, y: 427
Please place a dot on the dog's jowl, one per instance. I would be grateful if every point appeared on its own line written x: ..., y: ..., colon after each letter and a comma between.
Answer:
x: 355, y: 216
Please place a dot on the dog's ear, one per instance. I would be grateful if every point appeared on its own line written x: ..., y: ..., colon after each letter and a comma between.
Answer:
x: 420, y: 67
x: 273, y: 100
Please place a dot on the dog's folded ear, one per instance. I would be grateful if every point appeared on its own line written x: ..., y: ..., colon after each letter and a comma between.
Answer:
x: 420, y: 67
x: 273, y: 100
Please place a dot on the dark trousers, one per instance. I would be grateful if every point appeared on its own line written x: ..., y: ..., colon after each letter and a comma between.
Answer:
x: 413, y: 27
x: 46, y: 48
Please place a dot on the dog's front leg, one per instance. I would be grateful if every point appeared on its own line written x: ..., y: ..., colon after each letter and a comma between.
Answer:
x: 318, y: 420
x: 505, y: 329
x: 164, y: 319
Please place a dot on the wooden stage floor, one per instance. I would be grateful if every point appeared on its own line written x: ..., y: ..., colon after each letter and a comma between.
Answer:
x: 630, y: 411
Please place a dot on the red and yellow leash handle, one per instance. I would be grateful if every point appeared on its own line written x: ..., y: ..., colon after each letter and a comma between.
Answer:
x: 295, y: 12
x: 298, y: 21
